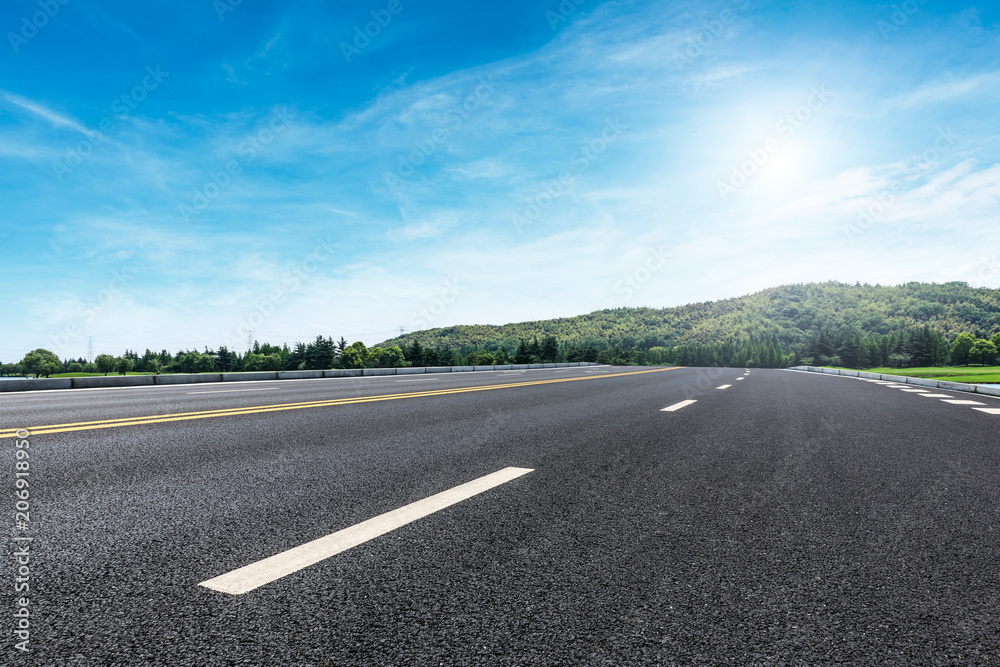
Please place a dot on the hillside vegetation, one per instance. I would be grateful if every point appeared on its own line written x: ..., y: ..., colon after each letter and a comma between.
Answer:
x: 804, y: 321
x: 858, y: 326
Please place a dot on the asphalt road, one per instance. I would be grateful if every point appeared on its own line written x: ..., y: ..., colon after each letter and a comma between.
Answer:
x: 788, y: 519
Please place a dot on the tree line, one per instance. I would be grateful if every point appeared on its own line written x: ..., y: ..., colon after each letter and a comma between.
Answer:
x: 321, y: 354
x: 920, y: 346
x: 859, y: 326
x: 916, y: 347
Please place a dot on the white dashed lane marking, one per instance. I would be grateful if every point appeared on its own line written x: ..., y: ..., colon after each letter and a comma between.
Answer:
x: 989, y: 411
x: 961, y: 402
x: 725, y: 386
x: 265, y: 571
x: 678, y: 406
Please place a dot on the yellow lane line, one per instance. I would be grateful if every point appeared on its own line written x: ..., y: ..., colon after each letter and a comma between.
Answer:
x: 207, y: 414
x: 329, y: 401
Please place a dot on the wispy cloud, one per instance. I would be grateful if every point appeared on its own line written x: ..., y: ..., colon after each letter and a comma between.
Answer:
x: 986, y: 84
x: 57, y: 119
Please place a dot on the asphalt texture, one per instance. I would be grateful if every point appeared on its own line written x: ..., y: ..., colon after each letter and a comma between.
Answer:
x: 790, y: 519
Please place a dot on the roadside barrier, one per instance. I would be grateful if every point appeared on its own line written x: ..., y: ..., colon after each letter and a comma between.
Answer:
x: 984, y: 389
x: 94, y: 382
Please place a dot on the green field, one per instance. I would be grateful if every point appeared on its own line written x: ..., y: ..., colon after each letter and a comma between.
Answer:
x: 971, y: 374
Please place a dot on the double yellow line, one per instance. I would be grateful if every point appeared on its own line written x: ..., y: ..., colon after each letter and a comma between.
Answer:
x: 210, y: 414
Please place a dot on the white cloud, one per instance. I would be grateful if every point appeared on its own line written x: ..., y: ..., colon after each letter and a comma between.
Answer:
x: 982, y: 85
x: 54, y: 117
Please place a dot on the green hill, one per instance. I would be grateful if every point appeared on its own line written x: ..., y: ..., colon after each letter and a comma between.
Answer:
x: 793, y: 316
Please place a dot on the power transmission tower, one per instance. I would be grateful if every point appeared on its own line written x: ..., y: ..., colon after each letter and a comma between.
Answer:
x: 90, y: 349
x: 401, y: 331
x: 250, y: 340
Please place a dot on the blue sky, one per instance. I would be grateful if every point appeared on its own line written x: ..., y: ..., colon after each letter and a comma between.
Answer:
x: 175, y: 174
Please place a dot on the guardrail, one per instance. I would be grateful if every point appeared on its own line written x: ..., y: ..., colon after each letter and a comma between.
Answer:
x: 195, y: 378
x: 985, y: 389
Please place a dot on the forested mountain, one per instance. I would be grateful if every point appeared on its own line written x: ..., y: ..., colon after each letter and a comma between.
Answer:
x: 859, y: 326
x: 802, y: 321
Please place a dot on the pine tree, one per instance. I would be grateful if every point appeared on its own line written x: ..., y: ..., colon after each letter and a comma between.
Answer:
x: 550, y: 350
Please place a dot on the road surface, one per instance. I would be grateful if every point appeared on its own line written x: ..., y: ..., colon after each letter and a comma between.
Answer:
x: 582, y: 516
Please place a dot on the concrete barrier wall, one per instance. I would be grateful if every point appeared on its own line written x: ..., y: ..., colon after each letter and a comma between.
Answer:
x: 196, y: 378
x: 984, y: 389
x: 114, y: 381
x: 957, y: 386
x: 299, y: 375
x: 36, y: 384
x: 247, y: 377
